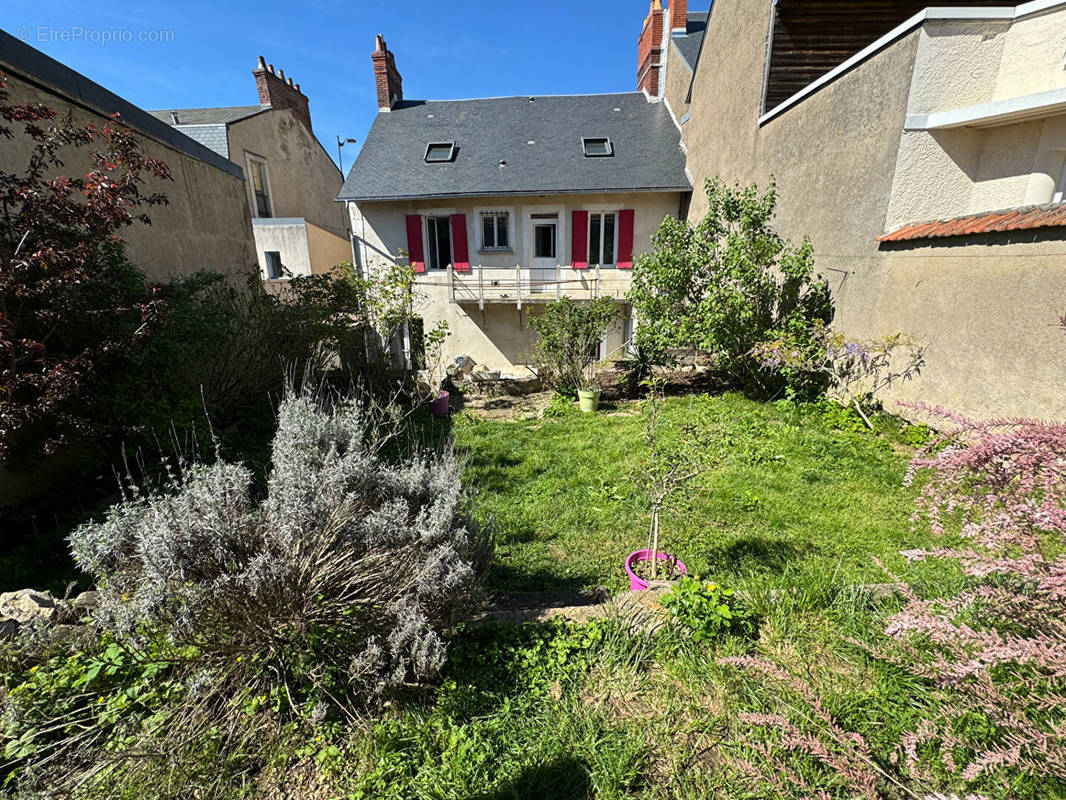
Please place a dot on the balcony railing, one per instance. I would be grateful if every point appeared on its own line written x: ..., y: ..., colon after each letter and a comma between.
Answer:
x: 523, y: 285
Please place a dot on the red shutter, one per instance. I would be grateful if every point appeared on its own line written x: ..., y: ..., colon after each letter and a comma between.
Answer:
x: 414, y: 243
x: 625, y: 238
x: 579, y: 240
x: 459, y: 248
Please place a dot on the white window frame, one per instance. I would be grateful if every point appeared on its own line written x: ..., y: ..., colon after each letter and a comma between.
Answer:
x: 562, y: 234
x: 479, y: 229
x: 249, y: 159
x: 601, y: 209
x: 437, y: 212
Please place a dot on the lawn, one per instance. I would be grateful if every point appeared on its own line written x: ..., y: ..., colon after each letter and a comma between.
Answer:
x: 794, y: 501
x: 600, y: 711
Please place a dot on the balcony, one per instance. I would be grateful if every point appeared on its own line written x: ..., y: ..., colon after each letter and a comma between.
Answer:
x: 526, y: 286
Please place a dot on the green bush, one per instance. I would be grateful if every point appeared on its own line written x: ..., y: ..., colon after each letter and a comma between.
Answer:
x: 569, y: 332
x: 727, y: 285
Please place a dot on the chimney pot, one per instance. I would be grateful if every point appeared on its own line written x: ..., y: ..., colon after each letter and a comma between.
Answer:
x: 290, y: 80
x: 281, y: 73
x: 270, y: 67
x: 296, y: 87
x: 261, y: 65
x: 173, y: 117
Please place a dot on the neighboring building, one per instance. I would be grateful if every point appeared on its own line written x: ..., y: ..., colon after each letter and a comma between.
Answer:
x: 299, y: 228
x: 205, y: 223
x: 502, y: 204
x: 921, y: 149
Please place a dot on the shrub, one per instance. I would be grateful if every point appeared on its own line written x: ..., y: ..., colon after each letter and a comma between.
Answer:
x: 856, y: 369
x: 69, y: 305
x: 332, y: 590
x: 569, y: 333
x: 727, y: 285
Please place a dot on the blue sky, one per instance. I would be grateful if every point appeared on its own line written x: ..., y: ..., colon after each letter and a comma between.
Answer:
x: 443, y: 50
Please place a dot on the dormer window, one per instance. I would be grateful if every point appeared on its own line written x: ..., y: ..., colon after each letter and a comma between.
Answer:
x: 439, y: 152
x: 597, y: 146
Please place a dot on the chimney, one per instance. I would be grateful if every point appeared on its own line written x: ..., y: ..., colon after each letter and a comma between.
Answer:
x: 649, y: 50
x: 386, y: 76
x: 275, y: 92
x: 679, y: 15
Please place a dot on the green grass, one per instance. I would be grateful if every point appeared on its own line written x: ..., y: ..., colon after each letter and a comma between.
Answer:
x: 796, y: 502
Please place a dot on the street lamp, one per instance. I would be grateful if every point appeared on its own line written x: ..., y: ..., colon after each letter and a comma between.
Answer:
x: 340, y: 158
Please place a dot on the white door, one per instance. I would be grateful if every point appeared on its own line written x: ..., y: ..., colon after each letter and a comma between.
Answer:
x: 544, y: 233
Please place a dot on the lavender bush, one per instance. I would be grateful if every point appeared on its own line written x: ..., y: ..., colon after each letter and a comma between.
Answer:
x: 232, y: 624
x: 377, y: 553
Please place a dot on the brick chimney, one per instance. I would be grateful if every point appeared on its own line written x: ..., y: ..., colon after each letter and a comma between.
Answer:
x: 277, y: 92
x: 649, y: 50
x: 679, y: 15
x: 386, y: 76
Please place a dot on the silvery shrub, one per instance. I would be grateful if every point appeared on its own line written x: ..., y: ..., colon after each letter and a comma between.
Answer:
x: 345, y: 574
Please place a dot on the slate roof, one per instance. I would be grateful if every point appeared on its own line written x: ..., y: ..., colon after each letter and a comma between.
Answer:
x: 391, y: 164
x: 18, y: 58
x: 688, y: 43
x: 1050, y: 215
x: 207, y: 116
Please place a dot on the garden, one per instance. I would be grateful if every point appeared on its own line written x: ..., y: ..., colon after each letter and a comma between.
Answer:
x: 293, y: 582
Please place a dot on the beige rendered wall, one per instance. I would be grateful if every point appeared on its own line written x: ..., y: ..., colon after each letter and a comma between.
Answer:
x: 327, y: 249
x: 303, y: 180
x: 499, y: 336
x: 204, y: 226
x: 676, y: 82
x: 984, y: 308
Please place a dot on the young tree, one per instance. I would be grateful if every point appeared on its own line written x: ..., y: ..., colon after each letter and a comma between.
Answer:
x: 728, y: 284
x: 569, y: 332
x: 68, y: 301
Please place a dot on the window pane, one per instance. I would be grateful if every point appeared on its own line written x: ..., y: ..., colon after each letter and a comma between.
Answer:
x: 608, y: 238
x: 544, y: 241
x: 488, y: 238
x: 444, y: 242
x: 594, y: 239
x: 431, y: 231
x: 502, y: 231
x: 439, y: 152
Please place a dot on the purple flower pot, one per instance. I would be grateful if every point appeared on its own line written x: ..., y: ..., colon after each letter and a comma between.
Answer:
x: 636, y: 583
x: 439, y: 407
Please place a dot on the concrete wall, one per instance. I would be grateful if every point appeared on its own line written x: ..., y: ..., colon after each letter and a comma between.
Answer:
x: 499, y: 335
x: 204, y: 226
x: 327, y: 249
x: 676, y: 82
x: 945, y: 173
x: 302, y: 177
x: 845, y: 169
x: 288, y: 237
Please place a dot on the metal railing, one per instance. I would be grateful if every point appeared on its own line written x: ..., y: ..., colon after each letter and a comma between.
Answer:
x: 523, y: 285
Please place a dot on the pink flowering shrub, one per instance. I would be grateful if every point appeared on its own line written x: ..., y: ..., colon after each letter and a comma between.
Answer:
x: 993, y: 653
x: 999, y: 646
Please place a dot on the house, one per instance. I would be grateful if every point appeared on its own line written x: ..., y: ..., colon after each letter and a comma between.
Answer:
x: 299, y: 229
x: 205, y: 222
x: 502, y: 204
x: 923, y: 152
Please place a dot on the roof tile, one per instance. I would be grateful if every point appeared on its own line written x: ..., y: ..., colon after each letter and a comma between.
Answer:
x: 1026, y: 218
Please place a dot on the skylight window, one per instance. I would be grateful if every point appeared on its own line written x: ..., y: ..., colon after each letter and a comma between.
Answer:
x: 437, y: 152
x: 597, y: 146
